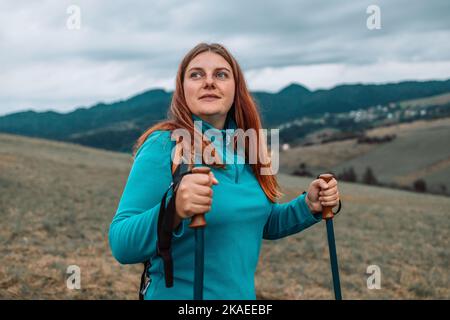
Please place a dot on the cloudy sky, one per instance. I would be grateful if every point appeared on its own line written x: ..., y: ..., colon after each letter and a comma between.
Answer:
x: 123, y: 48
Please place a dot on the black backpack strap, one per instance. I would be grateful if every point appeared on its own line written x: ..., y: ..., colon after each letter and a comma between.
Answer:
x: 165, y: 224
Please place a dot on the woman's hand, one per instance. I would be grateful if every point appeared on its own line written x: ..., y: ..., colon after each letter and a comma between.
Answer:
x: 194, y: 195
x: 322, y: 194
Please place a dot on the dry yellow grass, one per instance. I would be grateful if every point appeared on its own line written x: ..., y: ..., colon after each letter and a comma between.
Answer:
x: 57, y: 201
x: 404, y: 233
x: 418, y: 152
x: 333, y: 153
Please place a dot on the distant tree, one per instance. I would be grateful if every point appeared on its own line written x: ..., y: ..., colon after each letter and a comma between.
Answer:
x: 302, y: 171
x: 380, y: 139
x: 369, y: 177
x: 348, y: 175
x: 351, y: 175
x: 420, y: 185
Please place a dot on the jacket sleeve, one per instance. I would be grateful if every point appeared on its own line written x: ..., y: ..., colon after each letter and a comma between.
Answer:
x: 289, y: 218
x: 133, y: 230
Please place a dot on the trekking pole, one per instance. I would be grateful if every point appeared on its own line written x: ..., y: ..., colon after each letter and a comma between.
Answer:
x: 327, y: 215
x: 198, y: 223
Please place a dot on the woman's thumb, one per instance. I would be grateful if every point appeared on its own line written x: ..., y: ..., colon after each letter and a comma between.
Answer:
x: 322, y: 184
x: 214, y: 180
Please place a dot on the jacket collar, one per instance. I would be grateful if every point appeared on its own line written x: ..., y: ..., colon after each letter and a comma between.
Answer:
x: 230, y: 124
x: 220, y: 144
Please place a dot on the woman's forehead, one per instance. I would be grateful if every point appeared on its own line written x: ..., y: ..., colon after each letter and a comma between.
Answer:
x: 209, y: 60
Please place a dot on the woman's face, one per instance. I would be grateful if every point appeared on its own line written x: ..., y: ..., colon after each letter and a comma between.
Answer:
x: 209, y: 74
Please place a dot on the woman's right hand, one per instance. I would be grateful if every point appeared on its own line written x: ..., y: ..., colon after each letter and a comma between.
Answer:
x: 194, y: 195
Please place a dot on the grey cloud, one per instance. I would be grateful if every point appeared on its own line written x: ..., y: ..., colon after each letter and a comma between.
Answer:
x: 148, y: 39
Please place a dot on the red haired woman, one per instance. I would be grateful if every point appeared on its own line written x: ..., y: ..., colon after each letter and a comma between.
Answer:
x: 240, y: 201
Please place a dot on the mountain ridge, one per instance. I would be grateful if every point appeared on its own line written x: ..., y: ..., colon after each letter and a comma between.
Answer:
x: 149, y: 107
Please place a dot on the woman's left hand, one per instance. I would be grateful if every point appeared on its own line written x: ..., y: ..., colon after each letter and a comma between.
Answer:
x: 322, y: 194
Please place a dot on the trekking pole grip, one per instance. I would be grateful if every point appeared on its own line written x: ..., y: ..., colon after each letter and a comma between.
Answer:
x: 198, y: 221
x: 327, y: 212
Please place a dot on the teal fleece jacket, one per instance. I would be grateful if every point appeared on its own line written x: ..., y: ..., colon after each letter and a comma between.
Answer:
x: 241, y: 216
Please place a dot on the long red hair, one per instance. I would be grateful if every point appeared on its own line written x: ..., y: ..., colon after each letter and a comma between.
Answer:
x: 244, y: 111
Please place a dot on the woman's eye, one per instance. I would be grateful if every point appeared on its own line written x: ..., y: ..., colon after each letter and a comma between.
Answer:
x: 195, y: 74
x: 222, y: 74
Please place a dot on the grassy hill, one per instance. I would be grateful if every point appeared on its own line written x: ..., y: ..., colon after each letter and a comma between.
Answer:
x: 57, y: 201
x: 441, y: 99
x: 419, y: 152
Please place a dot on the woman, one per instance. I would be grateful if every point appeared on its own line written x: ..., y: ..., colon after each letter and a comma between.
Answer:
x: 239, y: 200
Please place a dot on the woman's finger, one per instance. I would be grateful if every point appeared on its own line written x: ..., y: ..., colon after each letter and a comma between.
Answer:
x: 329, y: 198
x: 332, y: 183
x: 202, y: 179
x: 329, y: 203
x: 203, y: 191
x: 328, y: 192
x: 197, y: 209
x: 201, y: 200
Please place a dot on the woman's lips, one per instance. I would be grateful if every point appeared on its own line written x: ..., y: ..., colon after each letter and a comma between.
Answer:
x: 209, y: 99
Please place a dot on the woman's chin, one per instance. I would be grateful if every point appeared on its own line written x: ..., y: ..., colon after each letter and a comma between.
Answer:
x: 211, y: 111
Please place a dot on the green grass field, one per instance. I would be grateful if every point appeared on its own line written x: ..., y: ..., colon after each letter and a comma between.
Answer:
x: 57, y: 201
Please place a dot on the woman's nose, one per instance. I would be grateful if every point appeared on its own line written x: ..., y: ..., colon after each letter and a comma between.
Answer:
x: 209, y: 80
